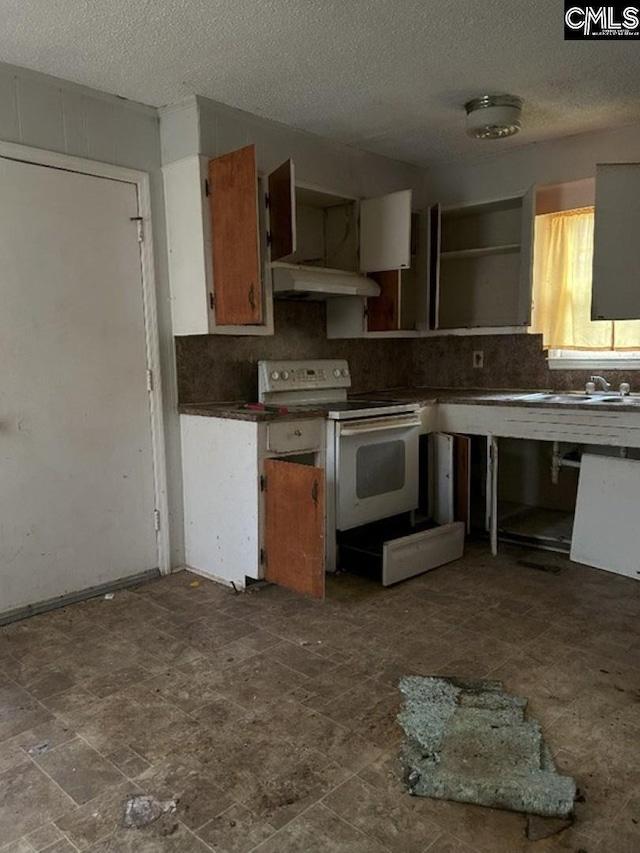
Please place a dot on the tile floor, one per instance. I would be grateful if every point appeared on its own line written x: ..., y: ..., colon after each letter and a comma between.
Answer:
x: 272, y: 718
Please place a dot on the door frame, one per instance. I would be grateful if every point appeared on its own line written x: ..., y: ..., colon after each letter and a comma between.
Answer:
x: 141, y: 181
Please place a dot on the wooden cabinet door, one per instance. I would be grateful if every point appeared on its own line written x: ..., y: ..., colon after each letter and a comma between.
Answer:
x: 235, y: 238
x: 282, y: 211
x: 616, y: 248
x: 385, y: 232
x: 383, y: 312
x: 294, y: 526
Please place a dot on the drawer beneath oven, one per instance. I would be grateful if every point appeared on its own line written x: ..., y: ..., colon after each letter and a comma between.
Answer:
x: 291, y: 436
x: 392, y: 551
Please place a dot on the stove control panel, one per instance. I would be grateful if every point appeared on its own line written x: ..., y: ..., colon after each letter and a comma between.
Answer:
x: 303, y: 375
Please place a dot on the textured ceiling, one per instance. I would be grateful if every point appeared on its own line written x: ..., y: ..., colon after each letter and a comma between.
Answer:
x: 386, y: 75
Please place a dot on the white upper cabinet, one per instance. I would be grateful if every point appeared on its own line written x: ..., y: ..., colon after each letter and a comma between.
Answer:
x: 480, y: 264
x: 616, y: 246
x: 385, y: 232
x: 227, y: 225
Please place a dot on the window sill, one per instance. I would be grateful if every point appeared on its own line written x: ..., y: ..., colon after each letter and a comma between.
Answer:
x: 569, y: 360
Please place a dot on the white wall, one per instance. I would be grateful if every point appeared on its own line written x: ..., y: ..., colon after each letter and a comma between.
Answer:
x: 511, y: 173
x: 217, y: 129
x: 44, y: 112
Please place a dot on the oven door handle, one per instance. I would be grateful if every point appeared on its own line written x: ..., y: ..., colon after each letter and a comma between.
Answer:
x: 379, y: 425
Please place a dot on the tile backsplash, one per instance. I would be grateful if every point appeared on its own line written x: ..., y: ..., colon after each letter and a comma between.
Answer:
x: 223, y: 367
x: 510, y: 361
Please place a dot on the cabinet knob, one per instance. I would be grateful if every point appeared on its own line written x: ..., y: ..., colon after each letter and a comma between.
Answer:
x: 297, y: 432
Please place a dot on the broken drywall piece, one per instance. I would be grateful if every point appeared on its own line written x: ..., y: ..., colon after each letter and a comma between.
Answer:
x: 142, y: 810
x: 470, y: 741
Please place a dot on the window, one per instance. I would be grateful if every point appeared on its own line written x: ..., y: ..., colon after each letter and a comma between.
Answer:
x: 561, y: 309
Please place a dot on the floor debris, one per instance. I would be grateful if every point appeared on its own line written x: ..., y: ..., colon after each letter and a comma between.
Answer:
x: 142, y: 810
x: 470, y: 741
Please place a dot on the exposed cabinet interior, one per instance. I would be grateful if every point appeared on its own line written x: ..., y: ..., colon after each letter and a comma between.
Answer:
x: 326, y: 229
x: 480, y: 264
x: 532, y: 509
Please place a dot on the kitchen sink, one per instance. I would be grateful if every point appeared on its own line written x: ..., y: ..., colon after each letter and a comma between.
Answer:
x: 569, y: 398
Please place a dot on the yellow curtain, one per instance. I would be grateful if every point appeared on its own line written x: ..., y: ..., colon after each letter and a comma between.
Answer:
x: 562, y: 287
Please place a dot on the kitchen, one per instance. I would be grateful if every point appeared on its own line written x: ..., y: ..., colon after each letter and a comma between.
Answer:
x: 138, y: 685
x: 219, y: 368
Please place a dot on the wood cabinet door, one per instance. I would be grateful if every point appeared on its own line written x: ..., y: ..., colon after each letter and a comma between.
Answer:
x: 383, y: 312
x: 282, y: 211
x: 294, y: 526
x: 616, y: 248
x: 235, y: 238
x: 385, y: 232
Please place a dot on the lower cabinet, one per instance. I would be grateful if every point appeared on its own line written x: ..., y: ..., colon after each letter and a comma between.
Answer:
x: 250, y: 512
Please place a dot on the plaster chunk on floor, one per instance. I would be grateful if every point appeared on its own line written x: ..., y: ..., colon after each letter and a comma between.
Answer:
x: 471, y: 741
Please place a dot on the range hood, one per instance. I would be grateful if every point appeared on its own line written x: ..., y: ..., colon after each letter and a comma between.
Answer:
x: 319, y: 283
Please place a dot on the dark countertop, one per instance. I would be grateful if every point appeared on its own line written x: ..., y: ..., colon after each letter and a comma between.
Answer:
x: 496, y: 397
x: 237, y: 409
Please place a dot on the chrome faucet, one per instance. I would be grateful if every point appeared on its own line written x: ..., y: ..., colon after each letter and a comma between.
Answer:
x: 603, y: 382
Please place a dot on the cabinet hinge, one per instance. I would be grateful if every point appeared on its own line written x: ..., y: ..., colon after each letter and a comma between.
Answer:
x: 263, y: 483
x: 149, y: 380
x: 269, y: 238
x: 267, y: 200
x: 263, y: 556
x: 207, y: 187
x: 212, y: 300
x: 156, y: 519
x: 140, y: 224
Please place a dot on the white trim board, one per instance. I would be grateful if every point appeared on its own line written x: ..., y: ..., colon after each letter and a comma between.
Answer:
x: 40, y: 157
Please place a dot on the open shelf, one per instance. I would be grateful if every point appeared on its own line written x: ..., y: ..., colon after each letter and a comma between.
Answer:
x: 481, y: 251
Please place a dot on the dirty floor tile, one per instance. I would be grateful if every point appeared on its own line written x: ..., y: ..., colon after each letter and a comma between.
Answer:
x: 79, y: 770
x: 28, y: 800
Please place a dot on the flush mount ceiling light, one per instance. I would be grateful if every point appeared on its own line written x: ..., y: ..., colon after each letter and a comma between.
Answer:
x: 493, y: 116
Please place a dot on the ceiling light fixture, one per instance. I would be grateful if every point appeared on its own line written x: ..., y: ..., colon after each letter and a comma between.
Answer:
x: 493, y: 116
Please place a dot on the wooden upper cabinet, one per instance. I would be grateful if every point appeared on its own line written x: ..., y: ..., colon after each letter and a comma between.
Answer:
x: 235, y: 238
x: 282, y: 211
x: 383, y: 312
x: 385, y: 232
x: 616, y: 248
x: 294, y: 526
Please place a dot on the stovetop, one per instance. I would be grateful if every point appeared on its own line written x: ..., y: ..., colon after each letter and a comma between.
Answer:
x: 339, y: 410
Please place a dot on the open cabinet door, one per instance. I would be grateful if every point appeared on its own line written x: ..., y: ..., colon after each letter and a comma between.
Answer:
x: 526, y: 257
x: 294, y: 526
x: 462, y: 479
x: 616, y: 249
x: 442, y: 456
x: 282, y: 211
x: 235, y: 238
x: 383, y: 312
x: 435, y: 226
x: 385, y: 232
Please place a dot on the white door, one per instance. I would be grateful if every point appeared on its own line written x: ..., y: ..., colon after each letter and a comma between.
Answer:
x: 76, y: 473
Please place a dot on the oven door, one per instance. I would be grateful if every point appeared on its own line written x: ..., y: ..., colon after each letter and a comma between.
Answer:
x: 376, y: 468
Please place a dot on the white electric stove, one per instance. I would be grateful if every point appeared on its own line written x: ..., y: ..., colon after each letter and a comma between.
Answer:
x: 372, y: 446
